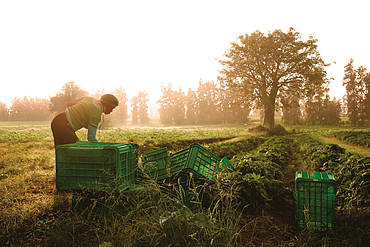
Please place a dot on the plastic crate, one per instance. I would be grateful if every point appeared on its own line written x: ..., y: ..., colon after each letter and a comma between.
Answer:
x: 95, y: 166
x: 315, y: 200
x: 156, y: 164
x: 226, y: 163
x: 196, y: 159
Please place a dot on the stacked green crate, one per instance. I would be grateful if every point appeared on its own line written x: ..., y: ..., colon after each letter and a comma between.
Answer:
x: 156, y: 164
x: 196, y: 159
x: 95, y: 166
x: 315, y: 200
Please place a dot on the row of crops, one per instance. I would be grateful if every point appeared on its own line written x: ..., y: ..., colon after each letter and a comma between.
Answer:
x: 260, y: 164
x: 352, y: 171
x: 147, y: 136
x: 257, y: 181
x: 258, y: 188
x: 361, y: 138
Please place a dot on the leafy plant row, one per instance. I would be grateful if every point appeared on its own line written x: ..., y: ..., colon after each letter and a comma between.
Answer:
x: 230, y: 149
x: 257, y: 179
x: 361, y: 138
x: 21, y: 136
x: 154, y: 137
x: 351, y: 171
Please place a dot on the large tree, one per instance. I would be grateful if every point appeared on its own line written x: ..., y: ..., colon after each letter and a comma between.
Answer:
x: 69, y: 92
x: 265, y: 67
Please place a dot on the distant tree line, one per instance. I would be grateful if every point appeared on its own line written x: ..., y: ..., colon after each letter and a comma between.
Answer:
x: 209, y: 104
x: 37, y: 109
x: 25, y: 109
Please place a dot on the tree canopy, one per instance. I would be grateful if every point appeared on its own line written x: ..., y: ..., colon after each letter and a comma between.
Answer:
x: 69, y: 92
x: 357, y: 98
x: 272, y: 66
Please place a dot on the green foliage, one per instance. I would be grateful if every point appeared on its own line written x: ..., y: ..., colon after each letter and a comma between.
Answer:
x: 19, y: 136
x: 354, y: 137
x: 173, y: 139
x: 277, y: 130
x: 258, y: 129
x: 350, y: 170
x: 353, y: 176
x: 144, y: 217
x: 256, y: 180
x: 33, y: 213
x: 318, y: 156
x: 230, y: 149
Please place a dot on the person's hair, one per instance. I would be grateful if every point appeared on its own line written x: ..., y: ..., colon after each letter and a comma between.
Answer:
x: 109, y: 99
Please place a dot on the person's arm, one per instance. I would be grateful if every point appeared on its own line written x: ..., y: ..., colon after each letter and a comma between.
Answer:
x: 72, y: 102
x: 91, y: 133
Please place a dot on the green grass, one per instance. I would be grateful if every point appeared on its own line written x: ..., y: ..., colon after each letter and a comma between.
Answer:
x: 364, y: 151
x: 33, y: 213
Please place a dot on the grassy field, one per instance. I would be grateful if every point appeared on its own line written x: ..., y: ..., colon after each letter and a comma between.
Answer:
x: 251, y: 206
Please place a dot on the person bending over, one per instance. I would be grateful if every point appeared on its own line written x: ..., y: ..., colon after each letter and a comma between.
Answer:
x: 84, y: 112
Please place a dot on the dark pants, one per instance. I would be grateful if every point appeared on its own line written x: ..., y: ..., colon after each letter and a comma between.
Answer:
x: 62, y: 131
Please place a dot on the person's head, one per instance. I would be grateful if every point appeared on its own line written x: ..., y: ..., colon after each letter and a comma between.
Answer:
x: 109, y: 102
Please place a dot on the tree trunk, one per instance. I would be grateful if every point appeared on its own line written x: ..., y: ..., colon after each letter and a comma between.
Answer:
x: 269, y: 115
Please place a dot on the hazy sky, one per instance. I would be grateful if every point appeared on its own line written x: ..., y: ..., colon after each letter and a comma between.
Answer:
x: 140, y: 44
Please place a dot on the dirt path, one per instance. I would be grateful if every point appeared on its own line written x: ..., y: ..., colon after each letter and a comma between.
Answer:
x: 364, y: 151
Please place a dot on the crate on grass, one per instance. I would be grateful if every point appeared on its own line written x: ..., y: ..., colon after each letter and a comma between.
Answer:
x: 196, y: 159
x: 95, y: 166
x: 315, y: 200
x: 226, y: 163
x: 156, y: 164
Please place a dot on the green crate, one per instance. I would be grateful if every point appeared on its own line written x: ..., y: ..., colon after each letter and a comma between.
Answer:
x: 156, y: 164
x: 315, y: 200
x: 95, y: 166
x: 196, y: 159
x: 226, y: 163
